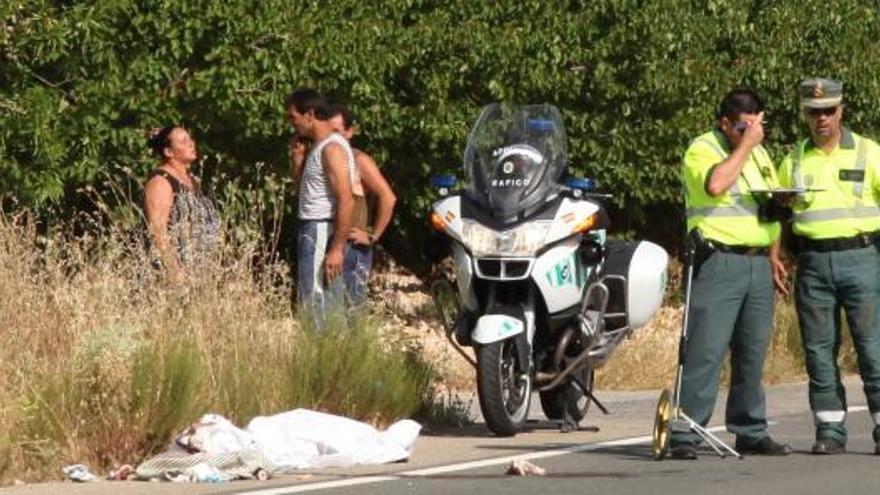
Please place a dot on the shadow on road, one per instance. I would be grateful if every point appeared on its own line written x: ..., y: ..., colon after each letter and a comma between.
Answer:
x: 630, y: 452
x: 480, y: 430
x: 477, y: 430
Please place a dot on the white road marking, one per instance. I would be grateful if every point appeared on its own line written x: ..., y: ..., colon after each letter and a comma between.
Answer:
x: 541, y: 454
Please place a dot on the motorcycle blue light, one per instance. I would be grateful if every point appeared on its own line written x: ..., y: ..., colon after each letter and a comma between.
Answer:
x: 581, y: 183
x: 442, y: 181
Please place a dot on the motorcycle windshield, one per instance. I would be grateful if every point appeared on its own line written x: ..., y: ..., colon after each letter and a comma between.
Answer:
x: 514, y: 158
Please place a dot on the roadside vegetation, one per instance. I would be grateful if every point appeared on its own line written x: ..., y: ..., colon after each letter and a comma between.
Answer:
x: 80, y: 83
x: 103, y: 360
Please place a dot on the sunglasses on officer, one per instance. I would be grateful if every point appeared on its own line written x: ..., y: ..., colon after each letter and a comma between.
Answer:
x: 818, y: 112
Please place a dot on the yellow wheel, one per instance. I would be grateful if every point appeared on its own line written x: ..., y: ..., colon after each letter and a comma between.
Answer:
x: 662, y: 420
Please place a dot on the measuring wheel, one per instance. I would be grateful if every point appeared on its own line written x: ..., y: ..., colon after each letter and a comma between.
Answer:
x: 662, y: 426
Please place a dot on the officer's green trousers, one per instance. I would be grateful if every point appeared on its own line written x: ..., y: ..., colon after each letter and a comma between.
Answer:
x: 731, y: 307
x: 827, y: 283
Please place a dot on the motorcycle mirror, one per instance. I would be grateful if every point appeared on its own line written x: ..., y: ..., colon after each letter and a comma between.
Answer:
x: 443, y: 183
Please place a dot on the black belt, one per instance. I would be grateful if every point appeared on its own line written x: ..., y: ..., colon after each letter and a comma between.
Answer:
x: 838, y: 243
x: 743, y: 250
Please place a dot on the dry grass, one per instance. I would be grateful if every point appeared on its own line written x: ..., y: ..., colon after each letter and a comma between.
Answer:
x: 103, y: 360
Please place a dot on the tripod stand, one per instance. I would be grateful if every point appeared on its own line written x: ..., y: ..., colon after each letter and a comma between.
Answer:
x: 668, y: 415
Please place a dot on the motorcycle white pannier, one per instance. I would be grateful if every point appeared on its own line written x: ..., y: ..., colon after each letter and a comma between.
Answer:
x: 643, y: 264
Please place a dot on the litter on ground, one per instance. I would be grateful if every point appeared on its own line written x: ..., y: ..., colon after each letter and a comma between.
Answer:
x: 79, y: 473
x: 522, y: 467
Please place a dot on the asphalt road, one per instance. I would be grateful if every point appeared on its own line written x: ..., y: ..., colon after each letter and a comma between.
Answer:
x: 610, y: 455
x: 624, y: 467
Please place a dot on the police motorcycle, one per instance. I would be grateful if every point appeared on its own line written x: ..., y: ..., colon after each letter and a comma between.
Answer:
x: 539, y: 293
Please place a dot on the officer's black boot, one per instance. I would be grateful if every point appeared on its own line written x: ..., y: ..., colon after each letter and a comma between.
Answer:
x: 828, y: 446
x: 764, y: 446
x: 876, y: 439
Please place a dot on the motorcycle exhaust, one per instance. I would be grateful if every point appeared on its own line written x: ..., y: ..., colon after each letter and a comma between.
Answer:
x: 561, y: 347
x: 591, y: 324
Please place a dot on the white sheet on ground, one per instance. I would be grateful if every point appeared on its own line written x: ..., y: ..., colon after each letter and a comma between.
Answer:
x: 302, y: 439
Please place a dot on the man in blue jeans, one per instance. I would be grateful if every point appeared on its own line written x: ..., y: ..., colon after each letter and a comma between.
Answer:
x: 325, y: 173
x: 373, y: 208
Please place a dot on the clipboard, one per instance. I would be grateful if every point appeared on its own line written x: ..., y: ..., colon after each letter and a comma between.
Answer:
x: 786, y: 190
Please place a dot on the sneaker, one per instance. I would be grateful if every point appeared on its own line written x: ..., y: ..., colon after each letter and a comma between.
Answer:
x: 828, y: 446
x: 684, y: 452
x: 764, y: 446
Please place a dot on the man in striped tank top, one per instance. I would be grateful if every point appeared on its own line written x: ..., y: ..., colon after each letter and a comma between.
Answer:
x: 325, y: 209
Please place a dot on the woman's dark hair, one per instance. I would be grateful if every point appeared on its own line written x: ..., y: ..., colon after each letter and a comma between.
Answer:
x: 337, y: 108
x: 159, y: 139
x: 740, y: 100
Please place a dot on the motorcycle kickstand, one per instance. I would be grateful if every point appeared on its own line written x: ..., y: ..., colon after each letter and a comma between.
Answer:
x: 590, y: 396
x: 569, y: 424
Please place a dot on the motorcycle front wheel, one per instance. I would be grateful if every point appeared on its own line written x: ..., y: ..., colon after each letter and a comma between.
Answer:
x: 504, y: 393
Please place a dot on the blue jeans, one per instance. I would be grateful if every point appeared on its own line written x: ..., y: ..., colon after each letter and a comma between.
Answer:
x: 356, y: 271
x: 313, y: 292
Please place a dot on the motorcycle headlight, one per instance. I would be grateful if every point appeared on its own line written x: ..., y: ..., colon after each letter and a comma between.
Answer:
x: 524, y: 240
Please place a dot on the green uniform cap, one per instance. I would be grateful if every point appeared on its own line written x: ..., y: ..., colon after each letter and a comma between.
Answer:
x: 820, y: 93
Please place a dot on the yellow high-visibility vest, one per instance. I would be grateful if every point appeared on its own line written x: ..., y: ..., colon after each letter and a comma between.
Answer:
x: 848, y: 186
x: 732, y: 217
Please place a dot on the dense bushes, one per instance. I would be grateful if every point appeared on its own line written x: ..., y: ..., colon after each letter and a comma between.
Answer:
x: 636, y: 80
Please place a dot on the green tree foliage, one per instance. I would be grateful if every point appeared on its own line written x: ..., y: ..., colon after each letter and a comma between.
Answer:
x: 80, y: 82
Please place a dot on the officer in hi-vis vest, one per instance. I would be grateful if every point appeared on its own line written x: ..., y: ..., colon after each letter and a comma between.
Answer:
x: 736, y: 262
x: 835, y: 225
